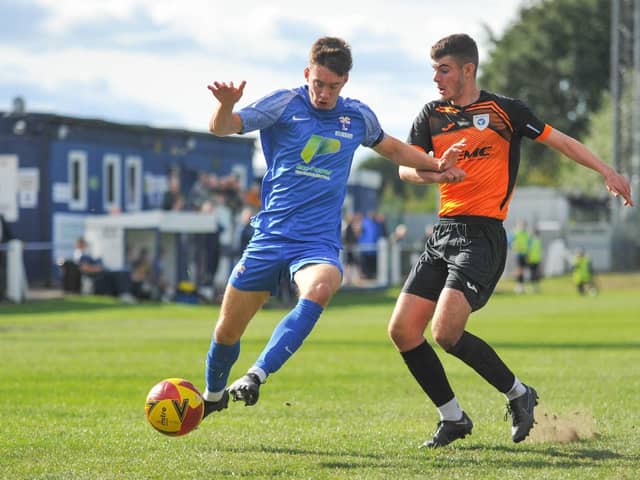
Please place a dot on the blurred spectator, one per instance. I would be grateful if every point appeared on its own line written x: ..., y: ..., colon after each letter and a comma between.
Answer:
x: 200, y: 192
x: 534, y: 258
x: 230, y: 189
x: 246, y: 229
x: 141, y: 274
x: 105, y: 282
x: 583, y: 275
x: 214, y: 188
x: 172, y: 198
x: 368, y: 246
x: 520, y: 245
x: 5, y: 236
x: 399, y: 245
x: 428, y: 231
x: 209, y: 248
x: 350, y: 235
x: 399, y: 234
x: 162, y: 289
x: 382, y: 225
x: 252, y: 197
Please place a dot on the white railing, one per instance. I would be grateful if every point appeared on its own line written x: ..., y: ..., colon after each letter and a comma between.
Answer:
x: 16, y: 279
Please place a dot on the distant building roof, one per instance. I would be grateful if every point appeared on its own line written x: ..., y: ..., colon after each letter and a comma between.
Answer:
x: 35, y: 123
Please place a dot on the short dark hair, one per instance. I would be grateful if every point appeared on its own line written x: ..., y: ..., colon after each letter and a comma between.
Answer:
x: 333, y: 53
x: 459, y: 45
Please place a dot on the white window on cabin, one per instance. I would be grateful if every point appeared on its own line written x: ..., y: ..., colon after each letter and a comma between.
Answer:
x: 77, y: 176
x: 111, y: 182
x: 133, y: 184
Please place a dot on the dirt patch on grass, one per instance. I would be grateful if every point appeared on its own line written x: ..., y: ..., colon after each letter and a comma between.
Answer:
x: 567, y: 427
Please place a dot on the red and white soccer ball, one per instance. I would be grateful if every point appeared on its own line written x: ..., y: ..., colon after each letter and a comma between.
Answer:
x: 174, y: 407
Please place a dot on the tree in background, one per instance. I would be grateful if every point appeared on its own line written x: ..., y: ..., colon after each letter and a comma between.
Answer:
x: 555, y: 57
x: 598, y: 138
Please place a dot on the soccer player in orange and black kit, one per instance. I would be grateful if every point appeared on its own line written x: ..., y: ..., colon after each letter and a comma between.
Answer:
x: 466, y: 253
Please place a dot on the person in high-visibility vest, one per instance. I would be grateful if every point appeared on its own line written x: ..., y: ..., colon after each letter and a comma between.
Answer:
x: 583, y: 273
x: 520, y: 245
x: 534, y: 258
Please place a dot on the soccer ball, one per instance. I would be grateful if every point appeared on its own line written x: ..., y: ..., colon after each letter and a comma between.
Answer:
x: 174, y: 407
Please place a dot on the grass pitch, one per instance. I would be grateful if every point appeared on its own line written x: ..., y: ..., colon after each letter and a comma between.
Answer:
x: 74, y: 375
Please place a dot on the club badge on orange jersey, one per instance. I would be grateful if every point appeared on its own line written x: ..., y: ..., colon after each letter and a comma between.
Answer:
x: 481, y: 121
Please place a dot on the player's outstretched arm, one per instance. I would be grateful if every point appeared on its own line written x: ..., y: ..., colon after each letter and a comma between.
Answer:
x: 402, y: 153
x: 223, y: 121
x: 425, y: 177
x: 617, y: 184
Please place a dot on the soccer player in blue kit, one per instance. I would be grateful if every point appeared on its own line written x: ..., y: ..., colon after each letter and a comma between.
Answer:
x: 309, y: 135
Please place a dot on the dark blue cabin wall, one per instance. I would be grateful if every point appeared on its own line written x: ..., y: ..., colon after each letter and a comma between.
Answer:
x: 49, y: 140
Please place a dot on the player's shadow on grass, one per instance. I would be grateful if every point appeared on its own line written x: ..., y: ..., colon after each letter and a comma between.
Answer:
x: 307, y: 452
x: 550, y: 450
x: 566, y: 345
x: 558, y: 456
x: 353, y: 460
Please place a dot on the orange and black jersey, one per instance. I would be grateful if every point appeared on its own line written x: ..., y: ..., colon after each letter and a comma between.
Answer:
x: 493, y: 127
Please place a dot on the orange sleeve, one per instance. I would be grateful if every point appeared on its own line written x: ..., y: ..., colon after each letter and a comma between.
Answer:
x: 545, y: 133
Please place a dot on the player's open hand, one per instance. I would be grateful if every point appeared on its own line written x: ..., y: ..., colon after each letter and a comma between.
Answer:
x: 227, y: 93
x: 618, y: 185
x: 450, y: 155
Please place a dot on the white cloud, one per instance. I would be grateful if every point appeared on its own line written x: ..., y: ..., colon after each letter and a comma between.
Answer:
x: 232, y: 43
x: 68, y: 13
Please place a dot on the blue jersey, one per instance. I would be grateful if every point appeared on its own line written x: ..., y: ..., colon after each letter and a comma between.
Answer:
x: 309, y: 154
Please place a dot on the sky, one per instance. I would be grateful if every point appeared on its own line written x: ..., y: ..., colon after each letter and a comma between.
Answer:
x: 149, y: 61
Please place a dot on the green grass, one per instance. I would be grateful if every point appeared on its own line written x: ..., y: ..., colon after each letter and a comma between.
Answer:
x: 74, y: 374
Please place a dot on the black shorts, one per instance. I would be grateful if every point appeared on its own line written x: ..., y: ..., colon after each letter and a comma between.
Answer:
x: 534, y: 270
x: 521, y: 258
x: 464, y: 253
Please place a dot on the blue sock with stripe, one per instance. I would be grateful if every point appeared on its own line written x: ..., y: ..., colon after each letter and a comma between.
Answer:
x: 289, y: 335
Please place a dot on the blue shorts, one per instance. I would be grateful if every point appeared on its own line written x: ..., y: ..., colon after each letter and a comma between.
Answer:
x: 265, y: 262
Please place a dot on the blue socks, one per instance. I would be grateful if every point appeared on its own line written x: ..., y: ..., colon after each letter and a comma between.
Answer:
x: 286, y: 338
x: 220, y: 359
x: 289, y: 335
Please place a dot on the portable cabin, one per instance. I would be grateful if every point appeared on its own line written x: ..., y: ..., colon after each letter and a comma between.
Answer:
x: 56, y: 171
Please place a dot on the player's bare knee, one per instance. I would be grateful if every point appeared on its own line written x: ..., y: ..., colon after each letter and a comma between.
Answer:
x: 396, y: 334
x: 445, y: 338
x: 320, y: 292
x: 402, y: 337
x: 225, y: 335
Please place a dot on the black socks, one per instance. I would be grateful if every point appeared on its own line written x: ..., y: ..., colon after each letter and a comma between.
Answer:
x: 425, y: 366
x: 479, y: 355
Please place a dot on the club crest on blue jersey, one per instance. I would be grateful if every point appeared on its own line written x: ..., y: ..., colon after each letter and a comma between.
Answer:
x: 239, y: 270
x: 481, y: 121
x: 345, y: 124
